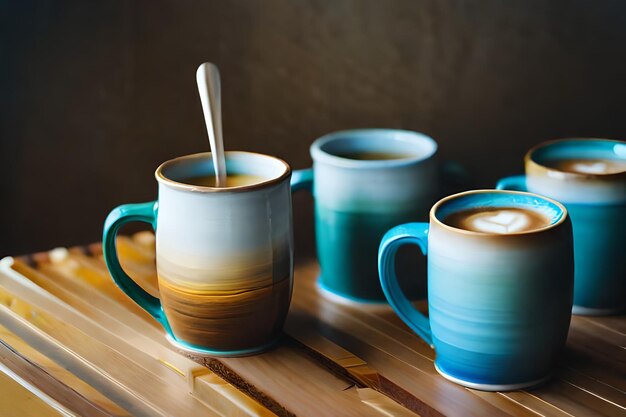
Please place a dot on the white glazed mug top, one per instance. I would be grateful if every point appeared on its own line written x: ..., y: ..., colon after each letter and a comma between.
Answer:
x: 416, y: 146
x: 173, y: 172
x: 578, y: 148
x: 575, y: 187
x: 404, y: 185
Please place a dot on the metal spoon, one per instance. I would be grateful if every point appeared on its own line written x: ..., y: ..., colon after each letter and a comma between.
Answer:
x: 208, y: 79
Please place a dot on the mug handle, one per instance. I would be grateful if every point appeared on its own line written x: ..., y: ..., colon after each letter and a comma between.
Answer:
x: 143, y: 212
x: 302, y: 179
x: 514, y: 183
x: 409, y: 233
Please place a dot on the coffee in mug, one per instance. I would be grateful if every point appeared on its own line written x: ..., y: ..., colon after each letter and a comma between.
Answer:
x: 500, y: 220
x: 373, y: 156
x: 232, y: 180
x: 587, y: 166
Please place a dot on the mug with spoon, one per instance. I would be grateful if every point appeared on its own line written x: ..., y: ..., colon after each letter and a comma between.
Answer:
x: 224, y: 243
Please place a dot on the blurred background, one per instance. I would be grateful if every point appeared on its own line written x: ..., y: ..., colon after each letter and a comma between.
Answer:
x: 95, y: 95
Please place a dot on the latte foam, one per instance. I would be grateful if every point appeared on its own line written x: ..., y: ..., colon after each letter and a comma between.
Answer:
x: 590, y: 166
x: 499, y: 220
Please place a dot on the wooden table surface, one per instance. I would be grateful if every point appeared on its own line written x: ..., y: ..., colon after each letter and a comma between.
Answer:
x: 73, y: 344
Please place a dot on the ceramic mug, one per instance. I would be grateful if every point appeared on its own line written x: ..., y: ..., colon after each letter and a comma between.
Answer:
x: 224, y: 256
x: 357, y: 201
x: 596, y: 203
x: 499, y: 304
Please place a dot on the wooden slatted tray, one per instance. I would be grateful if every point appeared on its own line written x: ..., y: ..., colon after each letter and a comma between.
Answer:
x: 74, y: 337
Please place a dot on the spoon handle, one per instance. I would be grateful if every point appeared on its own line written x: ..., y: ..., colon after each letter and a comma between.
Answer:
x: 208, y: 79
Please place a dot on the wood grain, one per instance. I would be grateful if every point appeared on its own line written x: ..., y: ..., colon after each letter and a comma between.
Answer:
x: 17, y: 401
x: 343, y: 324
x: 120, y: 378
x: 68, y: 394
x: 290, y: 378
x: 220, y: 396
x: 64, y: 386
x: 347, y: 358
x: 152, y: 354
x: 585, y: 383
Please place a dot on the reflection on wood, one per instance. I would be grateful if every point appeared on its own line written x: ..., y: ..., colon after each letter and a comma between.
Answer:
x: 363, y: 332
x: 293, y: 382
x: 133, y: 345
x: 17, y: 400
x: 220, y: 396
x: 339, y: 359
x: 163, y: 362
x: 379, y: 337
x: 119, y: 378
x: 21, y: 353
x: 383, y: 404
x: 335, y: 394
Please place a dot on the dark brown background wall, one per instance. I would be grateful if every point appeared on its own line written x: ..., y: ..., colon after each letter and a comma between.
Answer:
x: 95, y: 94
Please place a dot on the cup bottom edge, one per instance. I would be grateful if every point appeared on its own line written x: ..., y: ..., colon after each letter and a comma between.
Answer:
x: 196, y: 350
x: 591, y: 311
x: 492, y: 387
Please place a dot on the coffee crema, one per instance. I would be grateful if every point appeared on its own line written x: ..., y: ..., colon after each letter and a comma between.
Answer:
x: 372, y: 156
x: 588, y: 166
x: 232, y: 180
x: 499, y: 220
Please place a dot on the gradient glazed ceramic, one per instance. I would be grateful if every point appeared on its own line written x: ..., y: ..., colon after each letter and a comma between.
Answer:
x: 224, y: 255
x: 357, y: 201
x: 597, y: 206
x: 499, y: 304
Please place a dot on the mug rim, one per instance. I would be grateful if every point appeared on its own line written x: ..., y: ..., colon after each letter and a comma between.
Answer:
x: 162, y: 179
x: 529, y: 158
x: 318, y: 154
x: 433, y: 218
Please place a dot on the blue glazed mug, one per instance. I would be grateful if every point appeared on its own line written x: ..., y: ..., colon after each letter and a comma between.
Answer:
x: 499, y: 304
x: 596, y: 203
x: 358, y: 200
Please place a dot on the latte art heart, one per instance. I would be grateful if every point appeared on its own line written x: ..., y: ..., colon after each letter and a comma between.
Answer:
x: 497, y: 220
x: 504, y: 221
x: 589, y: 166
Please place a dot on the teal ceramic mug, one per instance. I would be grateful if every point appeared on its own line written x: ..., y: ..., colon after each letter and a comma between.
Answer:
x: 499, y: 304
x: 364, y: 182
x: 589, y: 177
